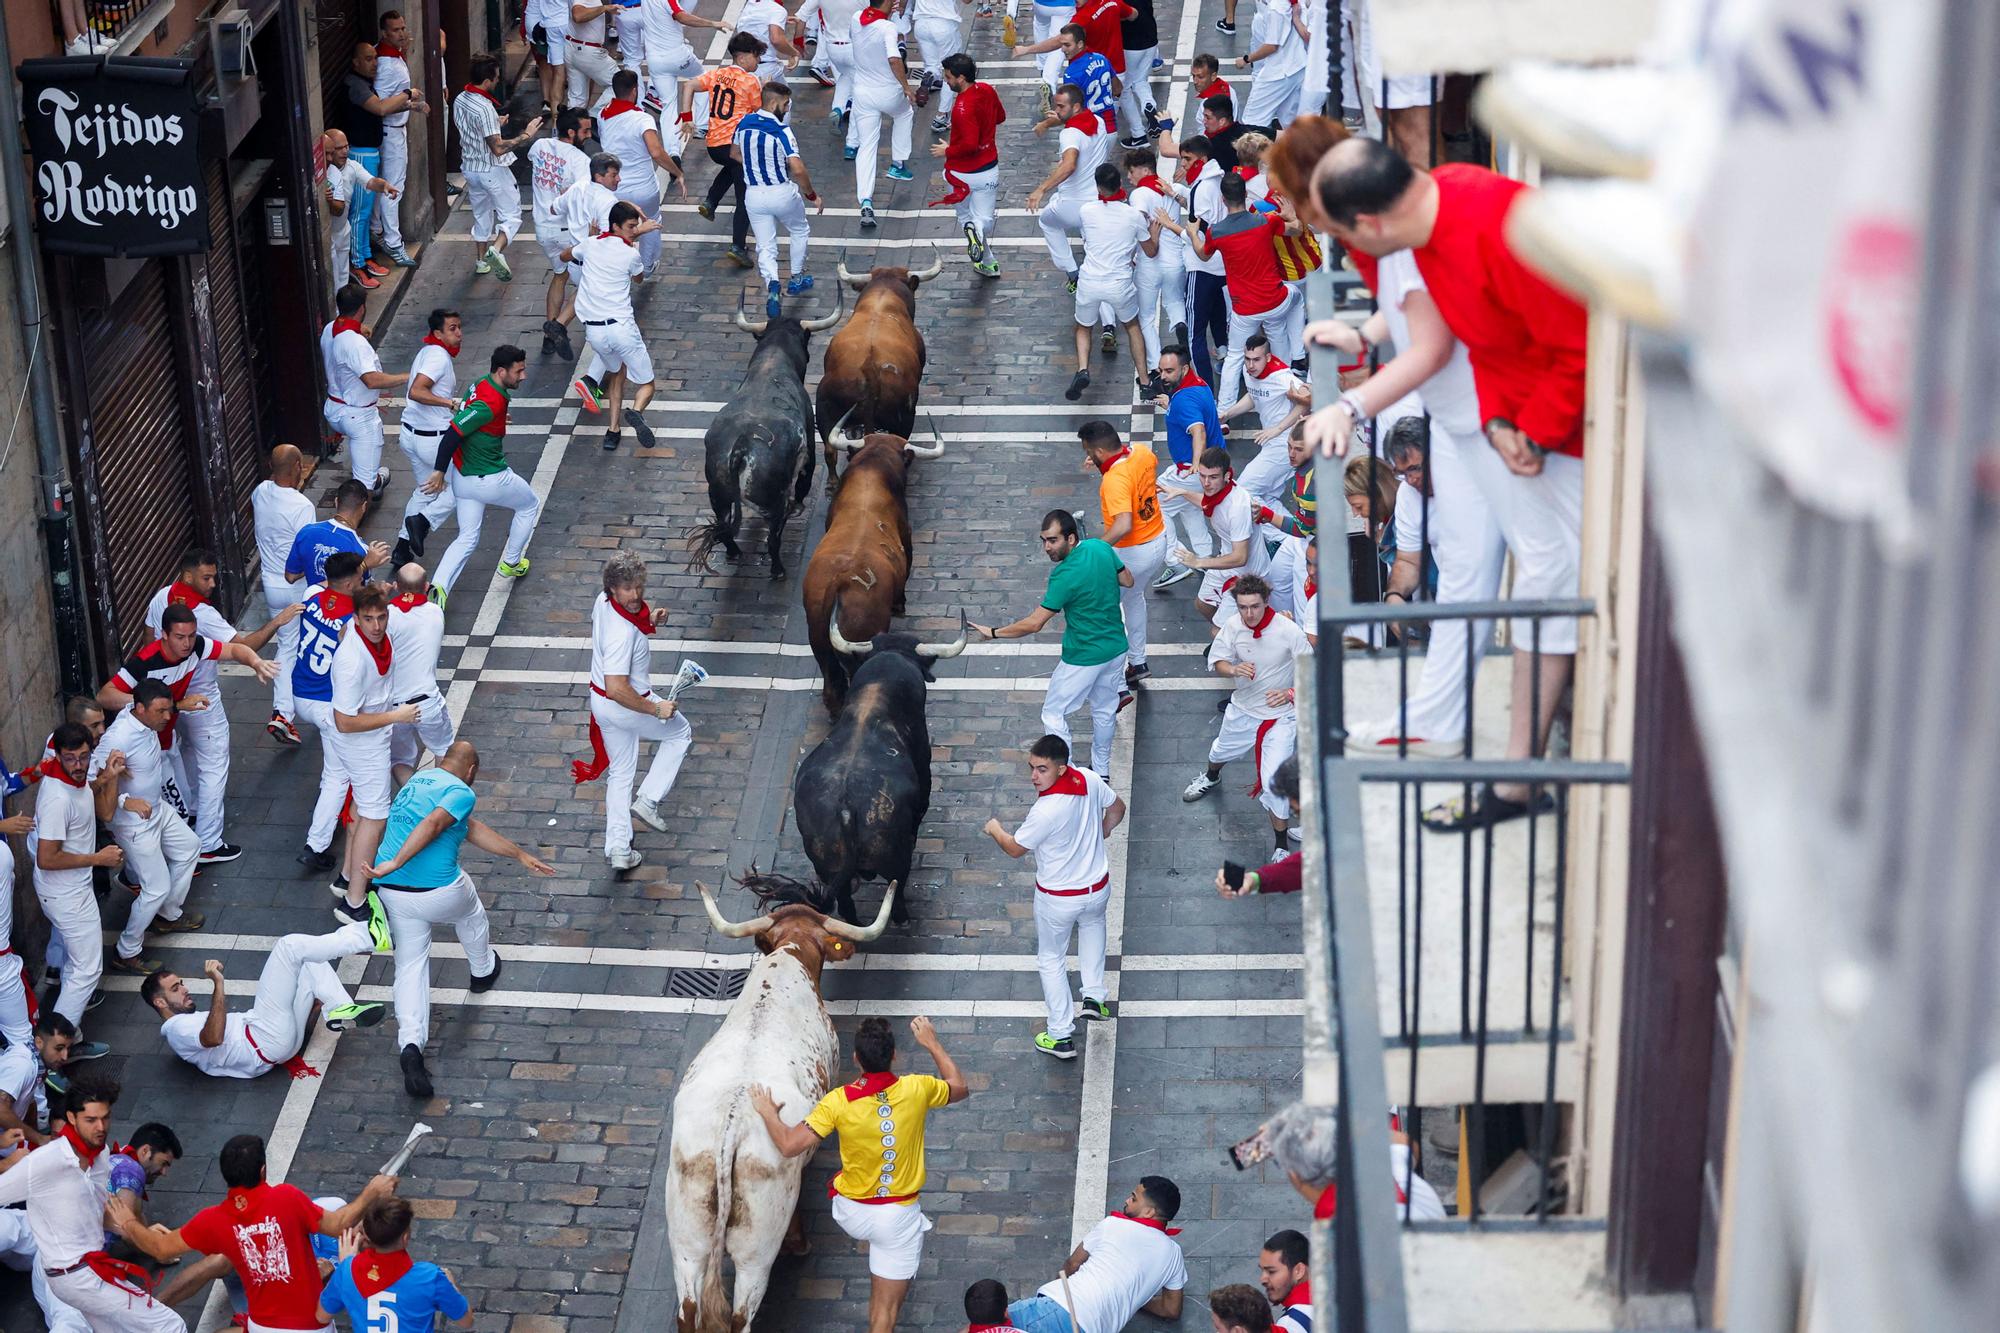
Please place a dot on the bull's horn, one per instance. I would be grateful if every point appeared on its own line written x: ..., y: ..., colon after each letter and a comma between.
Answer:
x: 840, y: 641
x: 744, y: 322
x: 840, y: 267
x: 841, y: 424
x: 734, y: 930
x: 871, y: 932
x: 815, y: 325
x: 936, y: 450
x: 937, y: 266
x: 940, y: 651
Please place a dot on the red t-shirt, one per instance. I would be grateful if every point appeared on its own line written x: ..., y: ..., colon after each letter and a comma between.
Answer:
x: 1103, y: 29
x: 266, y: 1234
x: 1525, y: 338
x: 976, y: 115
x: 1249, y: 264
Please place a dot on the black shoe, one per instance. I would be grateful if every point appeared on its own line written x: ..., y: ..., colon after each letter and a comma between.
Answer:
x: 1137, y: 672
x: 480, y: 985
x: 565, y: 347
x: 1109, y: 342
x: 610, y: 440
x: 1224, y: 25
x: 416, y: 1078
x: 1077, y: 384
x: 416, y: 531
x: 1181, y: 333
x: 1222, y: 705
x: 346, y: 912
x: 553, y: 332
x: 339, y: 884
x: 317, y: 863
x: 548, y: 345
x: 640, y: 429
x: 97, y: 997
x: 228, y: 851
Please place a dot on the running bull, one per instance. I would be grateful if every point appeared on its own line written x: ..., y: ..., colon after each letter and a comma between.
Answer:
x: 729, y: 1190
x: 862, y: 794
x: 873, y: 366
x: 757, y: 444
x: 863, y: 558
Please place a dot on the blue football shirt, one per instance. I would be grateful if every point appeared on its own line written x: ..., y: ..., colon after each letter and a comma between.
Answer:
x: 411, y: 1303
x: 314, y: 543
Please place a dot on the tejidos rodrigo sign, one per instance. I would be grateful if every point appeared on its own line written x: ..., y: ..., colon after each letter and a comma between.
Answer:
x: 117, y: 167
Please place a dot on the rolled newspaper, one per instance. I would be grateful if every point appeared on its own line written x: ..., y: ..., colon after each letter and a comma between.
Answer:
x: 691, y: 673
x: 394, y: 1166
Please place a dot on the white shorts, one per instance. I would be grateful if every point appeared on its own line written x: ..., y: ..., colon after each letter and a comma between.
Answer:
x: 1124, y: 302
x: 553, y: 243
x: 620, y: 346
x: 434, y: 730
x: 893, y: 1232
x: 365, y: 759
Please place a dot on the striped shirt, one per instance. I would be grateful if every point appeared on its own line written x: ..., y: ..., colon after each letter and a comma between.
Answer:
x: 477, y: 116
x: 765, y: 144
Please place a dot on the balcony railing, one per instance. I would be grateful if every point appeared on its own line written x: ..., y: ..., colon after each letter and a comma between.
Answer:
x: 118, y: 25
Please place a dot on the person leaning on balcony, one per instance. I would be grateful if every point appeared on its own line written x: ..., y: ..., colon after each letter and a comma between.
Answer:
x: 1304, y: 1141
x: 1281, y: 875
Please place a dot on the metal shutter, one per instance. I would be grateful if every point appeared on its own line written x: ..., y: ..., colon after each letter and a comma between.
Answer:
x: 339, y: 27
x: 144, y: 476
x: 235, y: 348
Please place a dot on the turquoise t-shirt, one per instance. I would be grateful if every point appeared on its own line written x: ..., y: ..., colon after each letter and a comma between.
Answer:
x: 437, y: 864
x: 1084, y: 587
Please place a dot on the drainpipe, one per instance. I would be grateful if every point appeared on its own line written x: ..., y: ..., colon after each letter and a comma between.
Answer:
x: 65, y: 589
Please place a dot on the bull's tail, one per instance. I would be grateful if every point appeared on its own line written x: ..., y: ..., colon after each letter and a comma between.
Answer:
x: 716, y: 1308
x: 721, y: 530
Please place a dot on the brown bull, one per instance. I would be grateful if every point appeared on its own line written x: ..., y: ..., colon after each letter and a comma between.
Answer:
x: 874, y: 366
x: 863, y: 560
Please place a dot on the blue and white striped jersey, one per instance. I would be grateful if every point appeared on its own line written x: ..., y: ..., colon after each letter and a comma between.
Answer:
x: 765, y: 144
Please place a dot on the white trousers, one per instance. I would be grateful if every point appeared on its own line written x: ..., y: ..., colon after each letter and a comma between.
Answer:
x: 978, y: 209
x: 623, y: 730
x: 1145, y: 562
x: 1275, y: 324
x: 495, y: 198
x: 1137, y: 99
x: 396, y: 171
x: 1162, y: 290
x: 840, y: 59
x: 1056, y: 919
x: 1274, y: 99
x: 870, y: 105
x: 772, y: 206
x: 78, y: 927
x: 664, y: 70
x: 587, y: 65
x: 647, y: 201
x: 341, y: 248
x: 412, y: 914
x: 1061, y: 218
x: 17, y: 1251
x: 1269, y: 741
x: 297, y: 972
x: 160, y: 853
x: 940, y: 38
x: 1049, y: 20
x: 421, y: 451
x: 1072, y: 686
x: 318, y: 713
x: 109, y: 1309
x: 279, y: 594
x: 1542, y: 519
x: 1196, y: 535
x: 1269, y: 475
x: 505, y: 488
x: 205, y: 738
x: 362, y: 427
x: 434, y: 731
x: 15, y: 1024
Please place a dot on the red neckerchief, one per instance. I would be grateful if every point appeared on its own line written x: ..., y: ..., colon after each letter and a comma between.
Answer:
x: 617, y: 106
x: 52, y: 768
x: 1257, y: 630
x: 475, y: 88
x: 1191, y: 379
x: 1217, y: 87
x: 1245, y: 173
x: 392, y: 52
x: 373, y: 1271
x: 432, y: 340
x: 1115, y: 459
x: 990, y: 1328
x: 381, y: 652
x: 1209, y: 502
x: 641, y: 620
x: 1312, y: 589
x: 1152, y: 1222
x: 1300, y: 1295
x: 871, y: 15
x: 1155, y: 184
x: 408, y: 601
x: 1271, y: 367
x: 1085, y: 121
x: 180, y: 594
x: 1071, y: 783
x: 85, y: 1154
x: 335, y: 604
x: 1111, y: 198
x: 341, y: 326
x: 868, y: 1085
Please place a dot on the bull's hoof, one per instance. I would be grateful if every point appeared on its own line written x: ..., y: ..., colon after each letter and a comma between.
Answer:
x: 777, y: 573
x: 796, y: 1245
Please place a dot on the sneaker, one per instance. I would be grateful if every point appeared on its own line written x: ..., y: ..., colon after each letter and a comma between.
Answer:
x: 438, y: 595
x: 87, y: 43
x: 228, y: 851
x: 1109, y: 342
x: 344, y: 1016
x: 610, y: 441
x: 134, y: 967
x: 1296, y: 833
x: 281, y: 729
x: 868, y: 214
x: 1069, y: 284
x: 361, y: 277
x: 800, y: 284
x: 126, y: 882
x: 821, y: 77
x: 847, y: 152
x: 1135, y: 141
x: 640, y: 429
x: 416, y: 1078
x: 97, y: 997
x: 55, y: 1082
x: 480, y: 985
x: 587, y: 389
x: 706, y: 209
x: 338, y: 888
x: 1159, y: 62
x: 501, y: 268
x: 1077, y: 384
x: 1096, y: 1010
x: 372, y: 912
x: 379, y: 270
x: 1062, y: 1048
x: 974, y: 247
x: 1224, y: 25
x: 649, y: 810
x: 1171, y: 575
x: 1202, y: 785
x: 183, y: 924
x: 988, y: 267
x: 552, y: 330
x: 738, y: 258
x: 515, y: 569
x: 1126, y: 699
x: 88, y: 1050
x: 772, y: 306
x: 900, y: 172
x: 403, y: 259
x: 627, y: 860
x: 1136, y: 672
x: 485, y: 264
x: 317, y: 863
x: 940, y: 123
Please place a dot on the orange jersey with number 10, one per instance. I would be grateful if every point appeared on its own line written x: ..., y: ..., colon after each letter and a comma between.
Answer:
x: 733, y: 93
x: 1129, y: 487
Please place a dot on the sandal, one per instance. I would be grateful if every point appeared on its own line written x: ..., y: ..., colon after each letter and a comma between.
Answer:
x: 1486, y: 810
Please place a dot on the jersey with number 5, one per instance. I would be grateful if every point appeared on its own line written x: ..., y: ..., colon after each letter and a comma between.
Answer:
x: 389, y: 1293
x: 326, y: 614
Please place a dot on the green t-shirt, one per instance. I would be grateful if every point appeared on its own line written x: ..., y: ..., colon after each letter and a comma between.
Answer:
x: 481, y: 424
x: 1084, y: 587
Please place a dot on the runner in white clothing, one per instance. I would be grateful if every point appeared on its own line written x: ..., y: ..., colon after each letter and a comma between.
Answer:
x: 881, y: 88
x: 364, y: 711
x: 629, y: 131
x: 1278, y: 38
x: 839, y: 24
x: 1081, y: 147
x: 430, y: 401
x: 297, y: 972
x: 1162, y: 277
x: 1114, y: 235
x: 611, y: 263
x: 278, y: 509
x: 1259, y: 650
x: 1074, y: 813
x: 1232, y: 520
x: 416, y: 633
x: 546, y: 23
x: 160, y: 849
x: 1126, y: 1263
x: 939, y: 28
x: 588, y: 66
x: 556, y: 165
x: 585, y: 209
x: 767, y: 21
x: 1281, y: 399
x: 68, y: 808
x: 669, y: 59
x: 17, y: 1011
x: 624, y: 711
x: 487, y: 161
x: 354, y: 383
x: 776, y: 189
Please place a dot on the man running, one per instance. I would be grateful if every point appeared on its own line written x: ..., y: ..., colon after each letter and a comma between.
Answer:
x: 416, y: 633
x: 669, y: 58
x: 881, y: 1119
x: 1080, y: 150
x: 1231, y: 517
x: 278, y: 509
x: 556, y: 165
x: 1278, y: 36
x: 624, y: 711
x: 1281, y: 399
x: 297, y: 973
x: 354, y: 383
x: 1139, y: 35
x: 941, y: 33
x: 611, y: 263
x: 487, y: 160
x: 1259, y: 650
x: 1090, y: 70
x: 364, y: 711
x: 1162, y: 277
x: 329, y: 605
x: 1259, y: 300
x: 588, y: 66
x: 733, y: 93
x: 433, y: 397
x: 474, y: 451
x: 315, y: 543
x: 629, y: 130
x: 1192, y: 428
x: 68, y: 808
x: 881, y: 88
x: 1074, y: 813
x: 1114, y: 234
x: 1129, y: 501
x: 972, y: 159
x: 768, y: 154
x: 421, y: 886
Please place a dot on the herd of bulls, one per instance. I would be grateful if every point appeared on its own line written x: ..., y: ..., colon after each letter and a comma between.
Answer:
x: 859, y: 797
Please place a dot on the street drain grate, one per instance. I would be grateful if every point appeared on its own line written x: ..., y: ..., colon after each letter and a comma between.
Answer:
x: 705, y: 983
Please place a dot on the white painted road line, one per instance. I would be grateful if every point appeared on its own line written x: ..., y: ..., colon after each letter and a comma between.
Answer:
x: 954, y: 684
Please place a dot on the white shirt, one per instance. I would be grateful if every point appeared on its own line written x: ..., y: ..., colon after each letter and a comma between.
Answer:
x: 476, y: 118
x: 392, y: 76
x: 945, y: 11
x: 609, y: 264
x: 617, y: 648
x: 1410, y: 519
x: 348, y: 356
x: 586, y: 209
x: 875, y: 45
x: 65, y: 1201
x: 21, y: 1085
x: 278, y: 512
x: 1112, y: 231
x: 1081, y: 185
x: 553, y: 167
x: 624, y: 136
x: 1129, y: 1264
x: 145, y: 769
x: 1423, y: 1205
x: 757, y: 18
x: 1065, y: 831
x: 416, y: 635
x: 551, y: 16
x: 1273, y: 26
x: 1205, y: 203
x: 358, y: 687
x: 1268, y: 392
x: 67, y: 817
x: 836, y: 19
x: 1146, y: 200
x: 587, y: 30
x: 666, y: 38
x: 343, y: 181
x: 436, y: 364
x: 1274, y: 653
x: 210, y: 624
x: 1450, y: 396
x: 1235, y: 520
x: 234, y: 1058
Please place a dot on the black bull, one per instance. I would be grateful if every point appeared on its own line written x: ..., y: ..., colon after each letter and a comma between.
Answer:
x: 862, y: 794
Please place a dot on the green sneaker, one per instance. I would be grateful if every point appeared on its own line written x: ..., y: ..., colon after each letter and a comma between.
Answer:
x: 1062, y: 1048
x: 987, y: 268
x: 438, y: 595
x: 378, y: 924
x: 1096, y: 1009
x: 514, y: 570
x: 501, y: 268
x: 344, y: 1016
x: 485, y: 264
